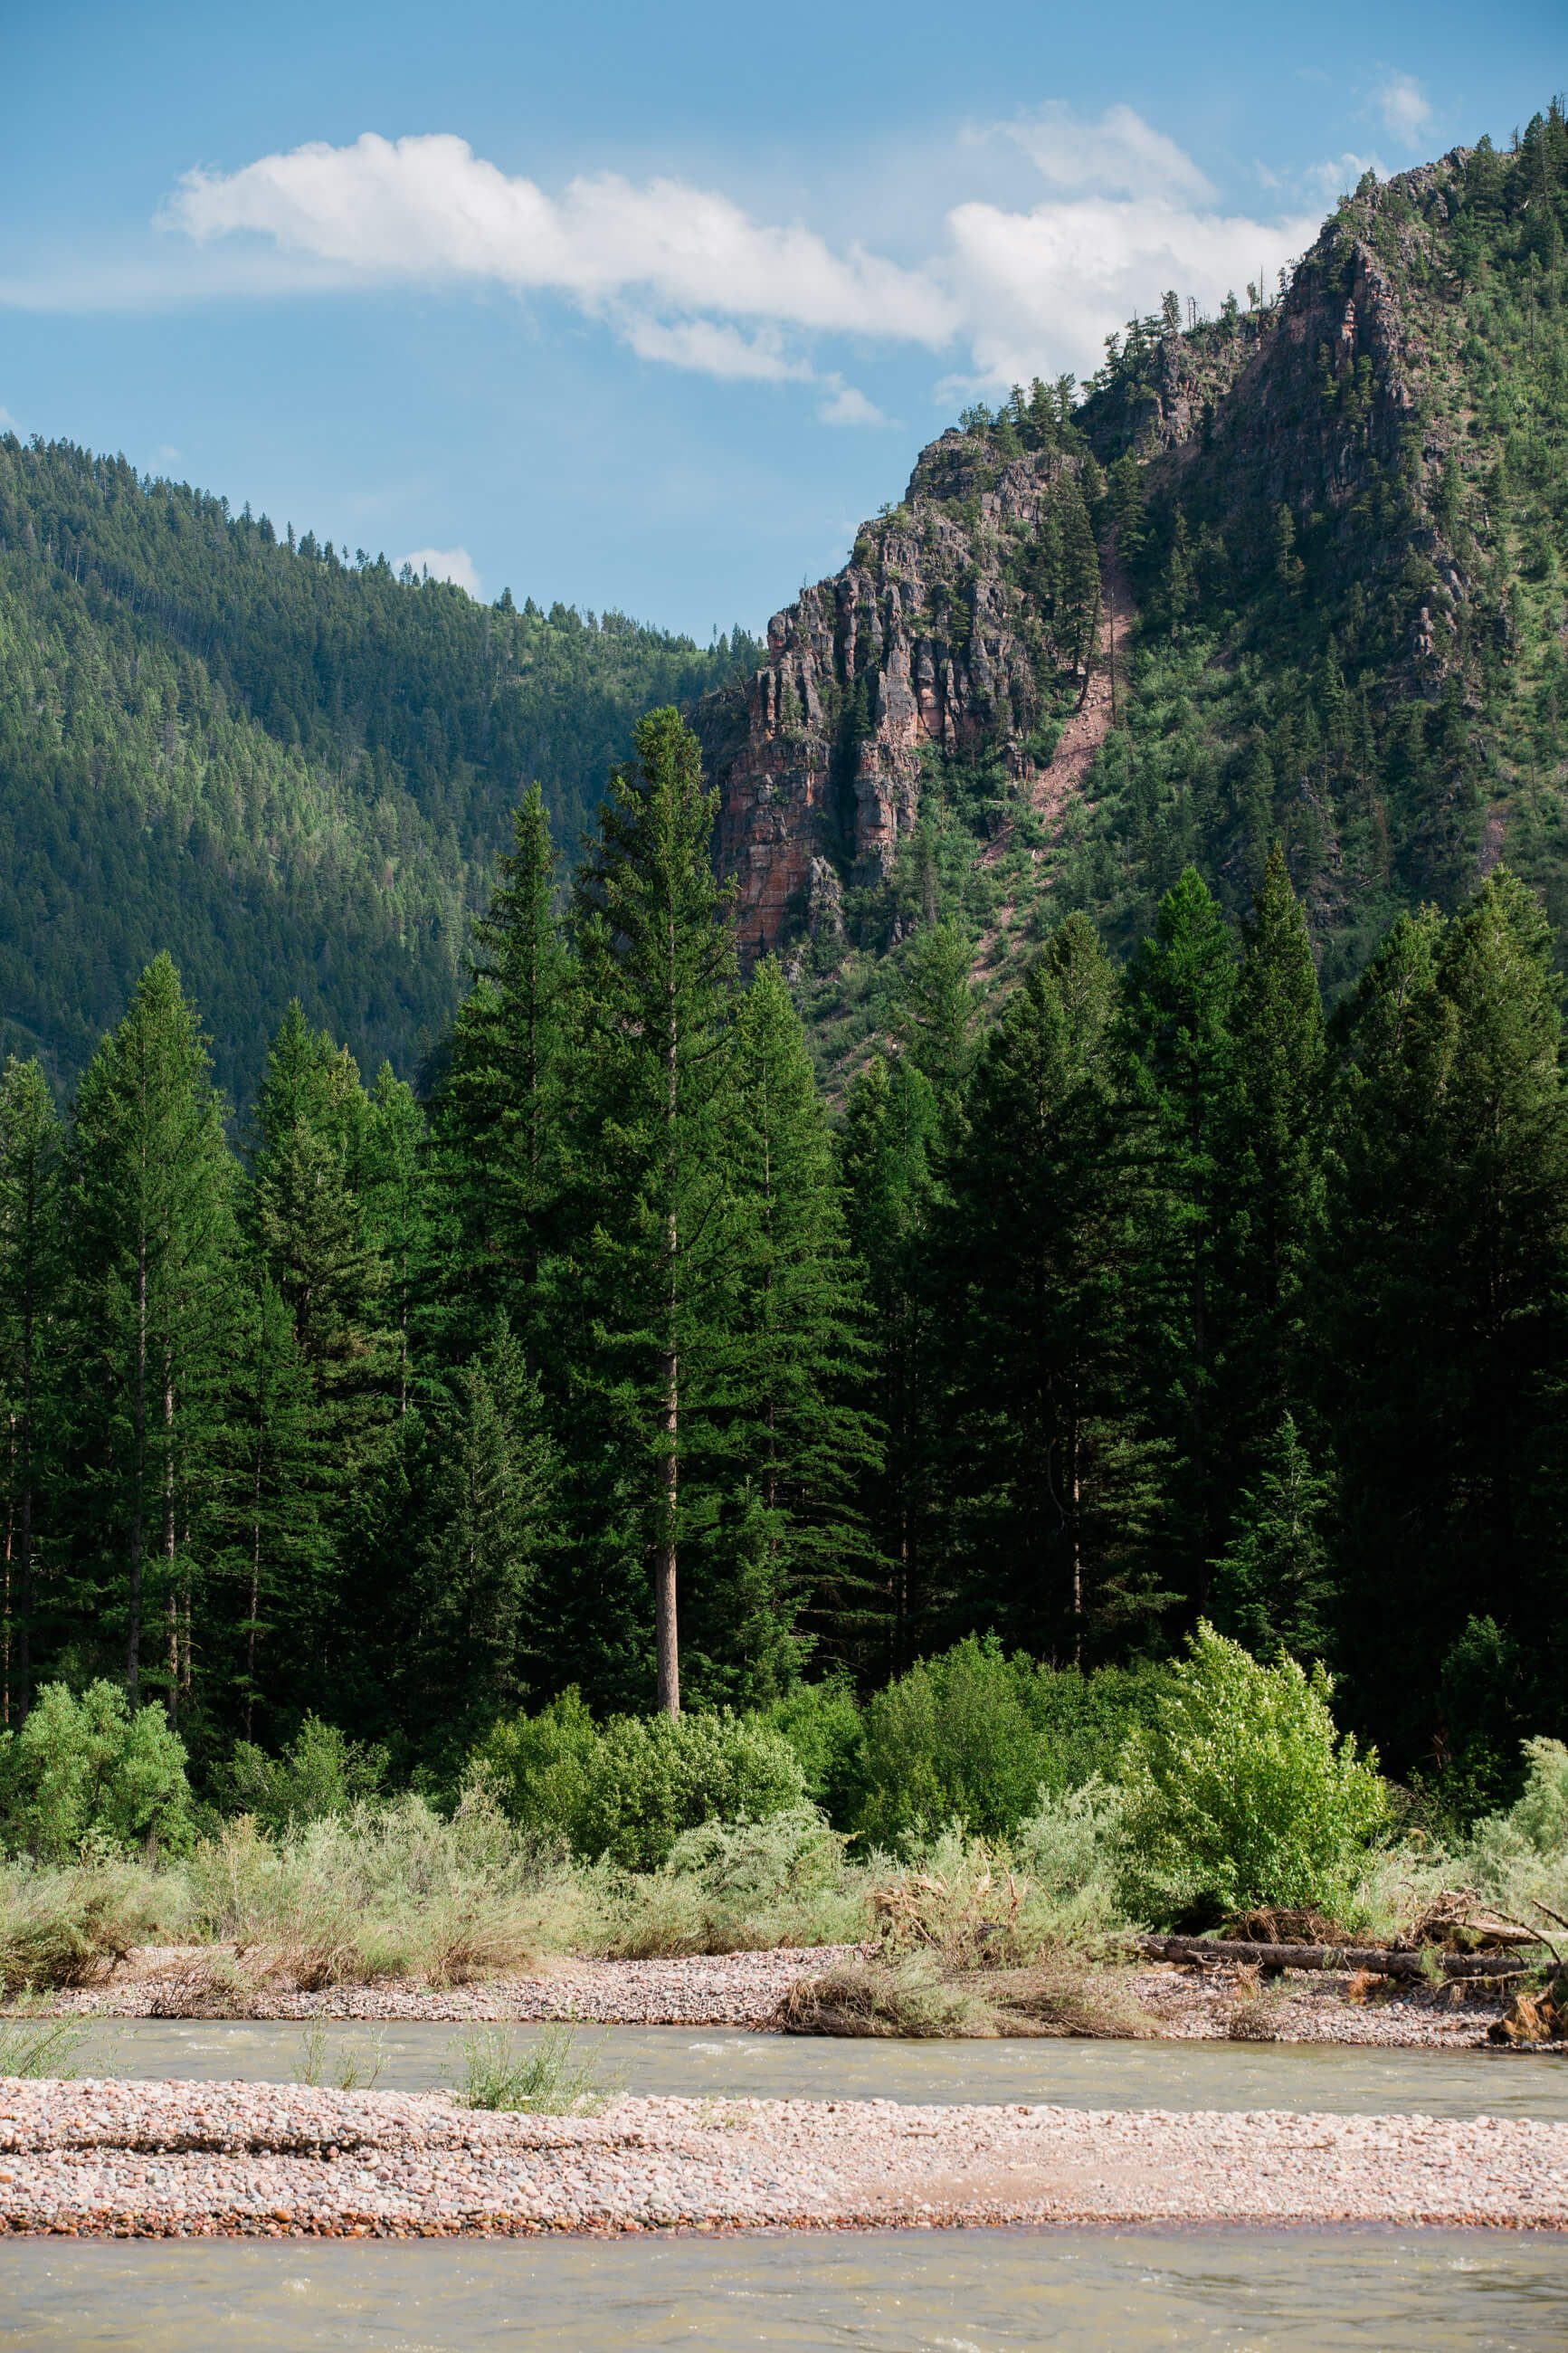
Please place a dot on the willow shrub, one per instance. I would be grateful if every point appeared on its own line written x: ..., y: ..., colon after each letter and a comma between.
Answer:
x: 90, y: 1775
x: 1241, y: 1791
x: 624, y: 1791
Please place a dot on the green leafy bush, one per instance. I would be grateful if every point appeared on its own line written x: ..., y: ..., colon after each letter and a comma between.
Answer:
x: 976, y: 1736
x: 320, y: 1773
x: 625, y: 1791
x: 1241, y: 1791
x: 68, y: 1927
x: 86, y: 1772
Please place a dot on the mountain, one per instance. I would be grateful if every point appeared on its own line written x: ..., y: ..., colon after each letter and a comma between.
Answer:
x: 1292, y: 573
x: 290, y: 768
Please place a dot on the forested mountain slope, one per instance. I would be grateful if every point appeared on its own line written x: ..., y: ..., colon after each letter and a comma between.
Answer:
x: 1342, y: 513
x: 289, y: 767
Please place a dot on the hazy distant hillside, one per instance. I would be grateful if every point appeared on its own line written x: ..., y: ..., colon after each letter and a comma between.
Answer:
x: 283, y: 764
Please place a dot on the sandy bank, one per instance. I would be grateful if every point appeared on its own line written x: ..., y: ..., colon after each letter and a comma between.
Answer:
x: 261, y: 2159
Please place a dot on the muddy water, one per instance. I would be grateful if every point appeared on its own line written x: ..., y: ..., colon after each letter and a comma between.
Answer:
x: 665, y: 2059
x: 951, y: 2292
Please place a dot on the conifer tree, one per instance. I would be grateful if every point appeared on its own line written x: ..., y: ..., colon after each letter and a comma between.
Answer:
x: 1178, y: 994
x: 1273, y: 1180
x: 886, y: 1150
x: 309, y: 1230
x: 500, y: 1107
x: 1052, y: 1483
x: 30, y: 1281
x: 649, y: 1286
x: 799, y: 1438
x: 487, y: 1528
x: 277, y: 1551
x: 152, y: 1246
x: 1443, y: 1333
x: 1272, y: 1583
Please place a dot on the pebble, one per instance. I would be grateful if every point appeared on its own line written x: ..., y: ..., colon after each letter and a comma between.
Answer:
x: 176, y: 2159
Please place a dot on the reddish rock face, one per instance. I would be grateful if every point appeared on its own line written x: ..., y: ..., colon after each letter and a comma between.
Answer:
x: 925, y: 639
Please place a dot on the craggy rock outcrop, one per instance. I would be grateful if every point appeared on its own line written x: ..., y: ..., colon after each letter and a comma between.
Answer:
x: 929, y: 636
x: 1323, y: 404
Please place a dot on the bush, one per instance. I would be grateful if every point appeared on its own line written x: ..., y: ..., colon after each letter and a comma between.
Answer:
x: 729, y: 1888
x: 624, y: 1792
x: 822, y: 1724
x: 976, y: 1736
x: 387, y: 1891
x: 1520, y: 1856
x: 1241, y: 1792
x: 318, y: 1774
x: 88, y: 1773
x: 61, y: 1928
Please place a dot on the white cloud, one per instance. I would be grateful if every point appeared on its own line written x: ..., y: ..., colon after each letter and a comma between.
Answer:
x: 429, y: 207
x: 716, y: 350
x: 1338, y: 174
x: 454, y: 564
x: 1120, y: 155
x: 1406, y: 112
x: 7, y: 422
x: 688, y: 279
x: 848, y: 406
x: 1043, y: 289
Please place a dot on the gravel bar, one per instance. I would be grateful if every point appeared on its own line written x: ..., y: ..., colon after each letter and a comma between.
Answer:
x: 745, y: 1989
x: 112, y: 2158
x: 701, y: 1990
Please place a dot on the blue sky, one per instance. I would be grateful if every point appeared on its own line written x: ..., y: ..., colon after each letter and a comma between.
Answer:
x: 646, y: 307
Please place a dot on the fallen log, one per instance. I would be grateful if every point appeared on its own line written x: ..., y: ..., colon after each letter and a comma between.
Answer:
x: 1383, y: 1960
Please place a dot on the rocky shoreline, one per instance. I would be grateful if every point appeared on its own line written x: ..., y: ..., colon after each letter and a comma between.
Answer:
x: 744, y: 1991
x: 101, y: 2157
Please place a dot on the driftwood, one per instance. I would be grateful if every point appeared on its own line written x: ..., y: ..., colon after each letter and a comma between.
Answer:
x: 1383, y: 1960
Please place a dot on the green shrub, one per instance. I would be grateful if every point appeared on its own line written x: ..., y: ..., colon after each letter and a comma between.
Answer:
x: 625, y: 1791
x: 822, y: 1724
x: 1522, y: 1857
x: 68, y: 1927
x: 1241, y: 1792
x: 320, y: 1773
x: 87, y: 1772
x: 974, y: 1735
x: 542, y: 1766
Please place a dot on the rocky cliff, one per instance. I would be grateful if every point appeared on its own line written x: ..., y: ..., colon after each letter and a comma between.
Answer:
x: 940, y: 634
x: 1343, y: 514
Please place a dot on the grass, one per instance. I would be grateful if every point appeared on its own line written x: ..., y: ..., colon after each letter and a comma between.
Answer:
x: 62, y: 1928
x: 546, y: 2077
x: 358, y: 2065
x: 40, y: 2046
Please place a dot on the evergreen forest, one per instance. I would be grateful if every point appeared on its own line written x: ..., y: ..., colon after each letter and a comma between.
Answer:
x: 444, y: 1283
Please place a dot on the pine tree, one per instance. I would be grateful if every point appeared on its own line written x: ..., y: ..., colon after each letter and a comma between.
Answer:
x: 152, y: 1246
x: 1273, y: 1181
x: 500, y: 1107
x: 401, y: 1215
x: 885, y: 1154
x: 278, y: 1550
x: 1443, y: 1333
x: 310, y: 1230
x: 30, y: 1282
x: 937, y: 1012
x: 799, y: 1440
x: 1052, y: 1483
x: 1272, y: 1583
x: 488, y: 1528
x: 1178, y: 994
x: 649, y: 1285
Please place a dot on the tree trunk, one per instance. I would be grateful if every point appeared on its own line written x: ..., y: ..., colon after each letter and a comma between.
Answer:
x: 138, y: 1464
x: 666, y: 1632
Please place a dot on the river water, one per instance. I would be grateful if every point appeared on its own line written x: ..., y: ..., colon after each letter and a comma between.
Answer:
x: 885, y: 2292
x: 664, y: 2059
x: 1071, y: 2290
